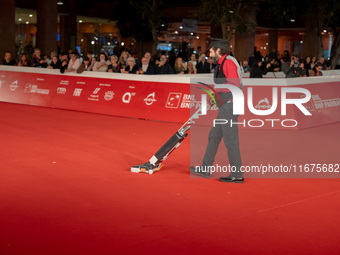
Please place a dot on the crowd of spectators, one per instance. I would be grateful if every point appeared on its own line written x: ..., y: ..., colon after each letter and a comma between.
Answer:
x: 183, y: 63
x: 291, y: 65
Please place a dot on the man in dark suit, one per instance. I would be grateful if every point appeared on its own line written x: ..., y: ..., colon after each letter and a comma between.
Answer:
x: 145, y: 68
x: 203, y: 66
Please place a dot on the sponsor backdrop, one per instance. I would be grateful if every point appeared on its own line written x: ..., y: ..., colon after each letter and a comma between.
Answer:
x: 164, y: 101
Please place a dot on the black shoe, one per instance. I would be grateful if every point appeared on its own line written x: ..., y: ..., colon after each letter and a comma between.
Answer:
x: 232, y: 179
x: 201, y: 171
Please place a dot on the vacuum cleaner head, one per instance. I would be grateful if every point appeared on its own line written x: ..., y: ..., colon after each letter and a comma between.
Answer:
x: 146, y: 168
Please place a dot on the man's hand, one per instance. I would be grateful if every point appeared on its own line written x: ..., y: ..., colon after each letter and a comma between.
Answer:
x: 64, y: 63
x: 50, y: 67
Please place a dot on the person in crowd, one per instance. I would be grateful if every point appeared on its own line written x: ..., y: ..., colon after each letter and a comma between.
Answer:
x: 198, y: 52
x: 23, y: 60
x: 180, y: 67
x: 257, y: 54
x: 148, y: 56
x: 272, y: 54
x: 292, y: 68
x: 92, y: 63
x: 90, y: 55
x: 286, y: 54
x: 163, y: 67
x: 312, y: 63
x: 307, y: 65
x: 302, y: 66
x: 74, y: 63
x: 316, y: 71
x: 257, y: 71
x: 251, y: 60
x: 84, y: 66
x: 123, y: 58
x: 324, y: 64
x: 64, y: 62
x: 101, y: 65
x: 193, y: 60
x: 55, y: 64
x: 131, y: 67
x: 172, y: 58
x: 274, y: 66
x: 49, y: 60
x: 37, y: 60
x: 191, y: 68
x: 145, y: 68
x: 8, y: 61
x: 69, y: 54
x: 245, y: 68
x: 114, y: 67
x: 203, y: 66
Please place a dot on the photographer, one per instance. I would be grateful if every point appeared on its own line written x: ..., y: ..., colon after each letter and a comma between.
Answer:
x: 292, y: 69
x: 257, y: 70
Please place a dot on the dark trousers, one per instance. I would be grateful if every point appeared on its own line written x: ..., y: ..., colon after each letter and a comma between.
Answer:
x: 230, y: 137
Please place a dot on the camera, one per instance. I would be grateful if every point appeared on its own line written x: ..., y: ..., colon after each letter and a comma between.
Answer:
x: 296, y: 63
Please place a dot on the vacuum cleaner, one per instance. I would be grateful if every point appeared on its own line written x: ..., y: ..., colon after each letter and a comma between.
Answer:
x: 155, y: 162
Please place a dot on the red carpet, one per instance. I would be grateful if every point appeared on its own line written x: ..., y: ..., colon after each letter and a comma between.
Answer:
x: 66, y: 188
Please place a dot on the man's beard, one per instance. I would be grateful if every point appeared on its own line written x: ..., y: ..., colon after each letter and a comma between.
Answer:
x: 215, y: 60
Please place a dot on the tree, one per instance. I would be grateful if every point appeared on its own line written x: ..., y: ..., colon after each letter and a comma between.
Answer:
x: 229, y: 14
x: 319, y: 14
x: 131, y: 24
x: 150, y: 12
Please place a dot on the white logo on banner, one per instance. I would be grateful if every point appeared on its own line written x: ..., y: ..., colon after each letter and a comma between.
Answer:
x: 14, y: 85
x: 150, y: 99
x: 28, y: 88
x: 173, y: 100
x: 325, y: 103
x: 34, y: 89
x: 77, y: 92
x: 127, y: 97
x: 64, y: 82
x: 96, y: 91
x: 263, y: 106
x: 61, y: 90
x: 94, y: 96
x: 109, y: 95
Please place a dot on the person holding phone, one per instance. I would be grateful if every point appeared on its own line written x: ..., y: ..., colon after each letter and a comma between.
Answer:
x: 102, y: 64
x: 163, y: 67
x: 203, y: 66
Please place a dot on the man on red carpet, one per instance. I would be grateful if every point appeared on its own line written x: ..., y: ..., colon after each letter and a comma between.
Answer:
x: 227, y: 71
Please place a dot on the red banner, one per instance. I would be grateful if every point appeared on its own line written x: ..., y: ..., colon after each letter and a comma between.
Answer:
x: 148, y: 97
x: 137, y: 99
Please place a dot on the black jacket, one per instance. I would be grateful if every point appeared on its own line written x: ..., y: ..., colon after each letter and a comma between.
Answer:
x: 149, y: 70
x: 257, y: 72
x: 165, y: 69
x: 203, y: 67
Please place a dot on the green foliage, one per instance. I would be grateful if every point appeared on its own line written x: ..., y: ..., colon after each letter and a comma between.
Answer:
x: 130, y: 21
x: 231, y: 12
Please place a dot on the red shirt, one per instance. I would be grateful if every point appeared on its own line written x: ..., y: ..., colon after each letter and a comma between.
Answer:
x: 230, y: 72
